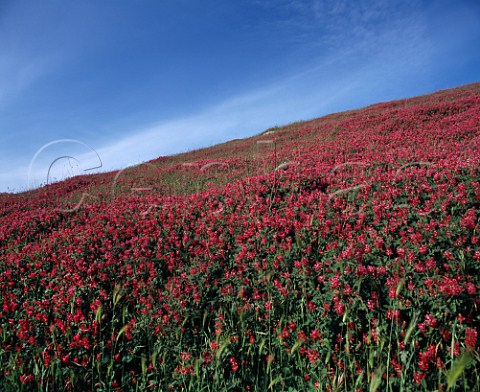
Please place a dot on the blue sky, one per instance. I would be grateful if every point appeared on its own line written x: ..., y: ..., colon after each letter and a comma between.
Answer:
x: 122, y: 82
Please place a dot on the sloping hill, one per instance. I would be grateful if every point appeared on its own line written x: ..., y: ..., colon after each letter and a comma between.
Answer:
x: 337, y: 253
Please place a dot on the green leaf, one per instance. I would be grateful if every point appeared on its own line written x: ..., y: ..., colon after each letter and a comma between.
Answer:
x: 411, y: 327
x: 98, y: 314
x: 377, y: 379
x: 458, y: 367
x: 154, y: 358
x: 274, y: 381
x: 400, y: 285
x: 295, y: 346
x: 121, y: 331
x: 116, y: 294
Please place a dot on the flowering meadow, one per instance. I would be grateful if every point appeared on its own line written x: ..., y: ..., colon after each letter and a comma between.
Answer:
x: 337, y: 254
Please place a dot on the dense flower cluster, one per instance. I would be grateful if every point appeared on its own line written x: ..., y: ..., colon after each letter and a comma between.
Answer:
x: 341, y: 252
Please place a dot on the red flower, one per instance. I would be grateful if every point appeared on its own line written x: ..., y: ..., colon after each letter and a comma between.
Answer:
x: 418, y: 377
x: 470, y: 338
x: 315, y: 335
x: 431, y: 321
x: 302, y: 337
x: 233, y: 364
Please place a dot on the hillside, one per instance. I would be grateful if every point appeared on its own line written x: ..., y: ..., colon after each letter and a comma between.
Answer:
x: 340, y: 253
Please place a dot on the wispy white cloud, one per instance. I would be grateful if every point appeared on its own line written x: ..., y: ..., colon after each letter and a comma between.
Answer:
x: 238, y: 117
x: 379, y: 62
x: 13, y: 179
x: 319, y: 89
x: 330, y: 24
x: 18, y: 75
x: 313, y: 92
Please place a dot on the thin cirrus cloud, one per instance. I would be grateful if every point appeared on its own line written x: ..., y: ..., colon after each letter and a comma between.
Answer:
x: 240, y: 115
x: 17, y: 76
x: 310, y: 58
x: 230, y: 119
x: 331, y: 84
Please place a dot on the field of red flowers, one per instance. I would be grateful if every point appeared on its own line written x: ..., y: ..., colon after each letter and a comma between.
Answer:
x: 338, y: 254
